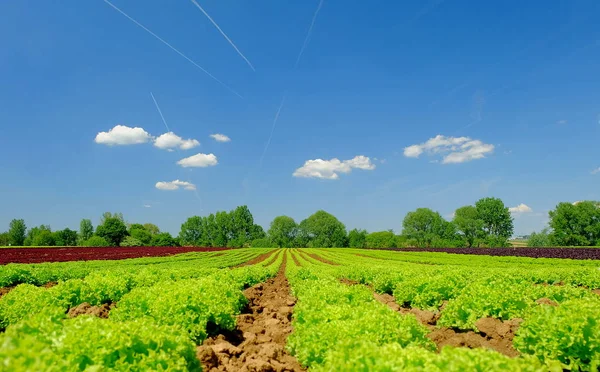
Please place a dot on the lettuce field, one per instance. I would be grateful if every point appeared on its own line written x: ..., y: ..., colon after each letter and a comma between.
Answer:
x: 310, y: 309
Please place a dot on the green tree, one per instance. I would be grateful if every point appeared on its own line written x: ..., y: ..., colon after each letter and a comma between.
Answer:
x: 32, y: 233
x: 4, y: 239
x: 140, y: 233
x: 65, y: 238
x: 424, y: 226
x: 323, y: 230
x: 241, y: 226
x: 357, y: 238
x: 468, y: 223
x: 194, y: 231
x: 96, y: 241
x: 16, y: 232
x: 497, y: 221
x: 575, y: 224
x: 381, y: 239
x: 44, y: 238
x: 257, y: 232
x: 262, y: 243
x: 107, y: 215
x: 282, y: 231
x: 113, y: 230
x: 152, y: 228
x: 164, y: 239
x: 130, y: 241
x: 86, y: 230
x: 222, y: 229
x: 541, y: 239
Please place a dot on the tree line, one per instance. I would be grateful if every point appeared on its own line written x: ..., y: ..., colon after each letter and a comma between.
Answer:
x: 487, y: 223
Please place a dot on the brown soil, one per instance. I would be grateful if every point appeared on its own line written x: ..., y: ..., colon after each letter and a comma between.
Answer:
x: 258, y: 342
x: 348, y: 281
x: 596, y: 291
x: 255, y: 260
x: 493, y: 333
x: 273, y: 259
x: 50, y: 284
x: 85, y: 308
x: 296, y: 260
x: 546, y: 301
x: 319, y: 258
x: 5, y: 290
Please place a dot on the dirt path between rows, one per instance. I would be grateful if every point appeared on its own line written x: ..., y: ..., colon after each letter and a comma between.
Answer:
x: 258, y: 342
x: 296, y: 262
x: 255, y: 260
x: 6, y: 290
x: 493, y: 333
x: 321, y: 259
x: 273, y: 258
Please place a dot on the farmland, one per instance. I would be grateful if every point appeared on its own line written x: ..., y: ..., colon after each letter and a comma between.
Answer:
x: 263, y: 309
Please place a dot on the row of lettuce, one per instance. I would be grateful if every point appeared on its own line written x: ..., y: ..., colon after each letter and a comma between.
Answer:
x: 560, y: 337
x: 163, y: 311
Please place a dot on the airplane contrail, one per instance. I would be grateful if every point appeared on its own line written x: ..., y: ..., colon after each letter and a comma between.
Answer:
x: 223, y: 33
x: 272, y: 130
x: 172, y: 47
x: 306, y: 40
x: 160, y: 112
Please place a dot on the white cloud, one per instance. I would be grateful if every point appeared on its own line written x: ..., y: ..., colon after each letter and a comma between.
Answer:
x: 454, y: 149
x: 329, y: 169
x: 147, y: 206
x: 521, y: 208
x: 220, y: 137
x: 174, y: 185
x: 199, y: 161
x: 595, y: 171
x: 170, y: 140
x: 123, y: 135
x: 562, y: 122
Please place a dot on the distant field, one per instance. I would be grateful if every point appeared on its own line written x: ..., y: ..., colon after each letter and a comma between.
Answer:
x: 518, y: 243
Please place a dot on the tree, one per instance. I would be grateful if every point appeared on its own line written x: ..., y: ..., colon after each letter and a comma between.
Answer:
x: 65, y: 238
x: 164, y: 239
x: 30, y: 239
x: 4, y: 239
x: 222, y: 228
x: 140, y: 233
x: 152, y: 228
x: 575, y: 224
x: 96, y: 241
x: 323, y: 230
x: 381, y: 239
x: 44, y: 238
x: 262, y: 243
x: 113, y: 230
x: 257, y: 232
x: 130, y: 241
x: 194, y: 232
x: 16, y: 232
x: 282, y: 231
x: 468, y: 223
x: 241, y: 224
x: 86, y: 230
x: 357, y: 238
x: 541, y: 239
x: 424, y: 226
x: 107, y: 215
x: 497, y: 221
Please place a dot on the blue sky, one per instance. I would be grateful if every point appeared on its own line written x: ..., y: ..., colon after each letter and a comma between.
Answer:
x: 511, y: 88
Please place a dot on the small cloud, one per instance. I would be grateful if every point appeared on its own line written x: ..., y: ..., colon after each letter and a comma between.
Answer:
x: 199, y: 161
x: 123, y: 135
x: 382, y: 161
x: 521, y: 208
x: 478, y: 102
x: 595, y: 171
x: 147, y: 206
x: 169, y: 141
x: 329, y: 169
x: 507, y: 152
x: 454, y: 149
x: 174, y: 185
x: 220, y: 137
x: 562, y: 122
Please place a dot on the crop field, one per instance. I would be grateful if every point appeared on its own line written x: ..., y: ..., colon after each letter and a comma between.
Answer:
x: 337, y: 309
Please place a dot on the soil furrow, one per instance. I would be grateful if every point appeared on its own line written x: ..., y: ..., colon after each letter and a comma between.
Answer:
x: 321, y: 259
x: 273, y: 259
x: 258, y: 342
x: 296, y: 260
x: 5, y: 290
x: 255, y: 260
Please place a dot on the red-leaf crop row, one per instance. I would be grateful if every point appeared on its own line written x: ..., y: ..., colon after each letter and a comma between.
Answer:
x: 38, y: 255
x: 571, y: 253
